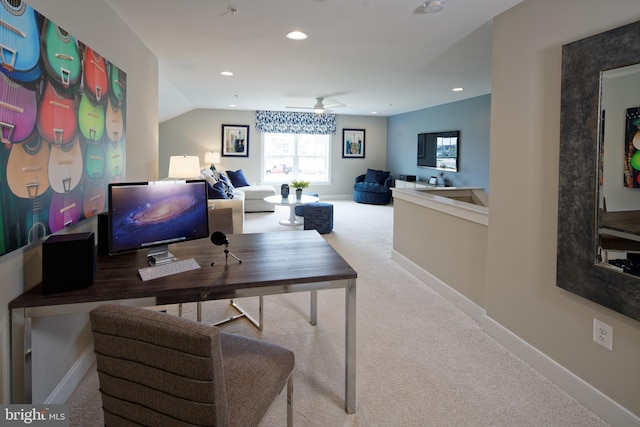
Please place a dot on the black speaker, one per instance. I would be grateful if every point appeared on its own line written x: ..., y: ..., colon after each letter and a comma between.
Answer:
x: 410, y: 178
x: 68, y: 262
x: 103, y: 233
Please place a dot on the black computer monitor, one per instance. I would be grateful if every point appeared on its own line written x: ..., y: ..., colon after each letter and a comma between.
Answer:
x: 151, y: 215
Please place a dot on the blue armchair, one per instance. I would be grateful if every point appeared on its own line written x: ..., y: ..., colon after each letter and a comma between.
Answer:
x: 374, y: 187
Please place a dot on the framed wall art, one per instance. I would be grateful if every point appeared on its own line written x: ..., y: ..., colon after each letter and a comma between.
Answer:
x: 62, y: 124
x: 353, y: 143
x: 235, y: 140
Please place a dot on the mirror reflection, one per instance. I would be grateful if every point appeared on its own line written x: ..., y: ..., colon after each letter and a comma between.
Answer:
x: 619, y: 171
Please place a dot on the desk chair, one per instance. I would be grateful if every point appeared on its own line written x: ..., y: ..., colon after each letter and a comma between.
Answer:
x: 157, y: 369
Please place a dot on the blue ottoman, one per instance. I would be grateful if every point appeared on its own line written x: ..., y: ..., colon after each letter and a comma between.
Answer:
x: 299, y: 210
x: 318, y: 216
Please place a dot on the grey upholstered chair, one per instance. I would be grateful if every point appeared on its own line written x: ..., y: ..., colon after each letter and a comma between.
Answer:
x: 157, y: 369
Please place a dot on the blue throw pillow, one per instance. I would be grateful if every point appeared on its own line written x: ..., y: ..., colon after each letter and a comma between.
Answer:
x: 376, y: 176
x: 216, y: 191
x: 237, y: 178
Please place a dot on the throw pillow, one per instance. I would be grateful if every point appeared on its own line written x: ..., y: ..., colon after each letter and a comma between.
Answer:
x: 237, y: 178
x: 216, y: 191
x: 376, y: 176
x: 226, y: 183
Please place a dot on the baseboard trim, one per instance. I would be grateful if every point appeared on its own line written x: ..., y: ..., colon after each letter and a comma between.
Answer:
x: 72, y: 378
x: 587, y: 395
x: 469, y: 307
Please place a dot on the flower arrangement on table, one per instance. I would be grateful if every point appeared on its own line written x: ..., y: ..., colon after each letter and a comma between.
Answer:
x: 299, y: 185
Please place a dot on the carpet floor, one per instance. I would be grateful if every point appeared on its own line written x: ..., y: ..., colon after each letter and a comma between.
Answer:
x: 420, y: 360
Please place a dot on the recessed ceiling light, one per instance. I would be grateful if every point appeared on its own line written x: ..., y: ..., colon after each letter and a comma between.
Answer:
x: 232, y: 105
x: 297, y: 35
x: 374, y: 112
x: 458, y: 89
x: 431, y: 6
x: 227, y: 73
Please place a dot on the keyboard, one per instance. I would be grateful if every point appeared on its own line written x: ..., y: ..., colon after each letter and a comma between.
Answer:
x: 168, y: 269
x: 630, y: 266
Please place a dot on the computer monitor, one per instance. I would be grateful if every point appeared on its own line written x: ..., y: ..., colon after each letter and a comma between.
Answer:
x: 151, y: 215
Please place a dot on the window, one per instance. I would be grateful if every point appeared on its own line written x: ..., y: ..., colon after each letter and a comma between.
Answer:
x: 288, y: 156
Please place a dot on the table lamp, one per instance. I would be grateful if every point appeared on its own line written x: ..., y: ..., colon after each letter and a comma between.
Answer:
x: 212, y: 158
x: 183, y: 167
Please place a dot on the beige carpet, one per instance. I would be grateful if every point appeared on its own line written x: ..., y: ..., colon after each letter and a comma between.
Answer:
x: 420, y: 360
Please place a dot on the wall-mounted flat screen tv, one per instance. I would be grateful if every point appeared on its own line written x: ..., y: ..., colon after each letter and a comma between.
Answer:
x: 439, y: 150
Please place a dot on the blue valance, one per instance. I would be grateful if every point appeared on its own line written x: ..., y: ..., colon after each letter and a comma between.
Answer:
x: 295, y: 122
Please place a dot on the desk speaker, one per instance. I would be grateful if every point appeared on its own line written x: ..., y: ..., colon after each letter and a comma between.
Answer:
x: 103, y: 233
x: 68, y: 262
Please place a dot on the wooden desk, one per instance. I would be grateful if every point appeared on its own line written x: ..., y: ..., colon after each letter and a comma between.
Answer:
x: 272, y: 263
x: 624, y: 224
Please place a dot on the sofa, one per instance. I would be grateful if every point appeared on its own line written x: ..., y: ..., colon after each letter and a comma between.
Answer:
x: 374, y: 187
x: 231, y: 190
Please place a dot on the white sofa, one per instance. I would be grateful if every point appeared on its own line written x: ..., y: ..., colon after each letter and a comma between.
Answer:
x: 245, y: 199
x: 254, y: 198
x: 237, y: 207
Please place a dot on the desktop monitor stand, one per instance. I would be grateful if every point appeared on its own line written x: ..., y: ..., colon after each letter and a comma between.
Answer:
x: 160, y: 255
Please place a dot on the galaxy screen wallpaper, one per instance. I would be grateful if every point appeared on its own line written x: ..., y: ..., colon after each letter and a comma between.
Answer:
x: 143, y: 215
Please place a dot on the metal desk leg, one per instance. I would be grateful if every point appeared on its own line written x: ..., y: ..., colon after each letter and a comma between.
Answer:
x: 350, y: 347
x: 20, y: 358
x: 314, y: 308
x: 259, y: 324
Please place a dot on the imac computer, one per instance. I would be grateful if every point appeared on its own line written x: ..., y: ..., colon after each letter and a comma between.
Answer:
x: 151, y: 215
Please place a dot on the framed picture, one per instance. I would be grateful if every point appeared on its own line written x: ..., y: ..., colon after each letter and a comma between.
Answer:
x: 353, y: 143
x: 235, y: 140
x: 433, y: 180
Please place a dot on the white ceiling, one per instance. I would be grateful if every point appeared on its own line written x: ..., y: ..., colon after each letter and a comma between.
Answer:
x: 370, y: 55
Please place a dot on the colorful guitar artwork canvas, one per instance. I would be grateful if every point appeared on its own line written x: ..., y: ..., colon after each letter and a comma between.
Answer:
x: 62, y: 127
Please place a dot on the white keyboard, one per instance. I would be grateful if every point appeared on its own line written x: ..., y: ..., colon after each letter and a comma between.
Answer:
x: 167, y: 269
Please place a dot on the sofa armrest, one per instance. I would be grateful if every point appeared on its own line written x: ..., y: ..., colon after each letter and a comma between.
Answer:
x: 237, y: 207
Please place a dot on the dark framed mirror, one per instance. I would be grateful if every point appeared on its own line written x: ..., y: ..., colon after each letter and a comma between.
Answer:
x: 579, y: 269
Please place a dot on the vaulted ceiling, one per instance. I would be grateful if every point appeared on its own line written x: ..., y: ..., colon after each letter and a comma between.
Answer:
x: 366, y: 55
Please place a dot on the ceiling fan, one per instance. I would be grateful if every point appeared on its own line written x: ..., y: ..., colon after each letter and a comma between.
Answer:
x: 320, y: 107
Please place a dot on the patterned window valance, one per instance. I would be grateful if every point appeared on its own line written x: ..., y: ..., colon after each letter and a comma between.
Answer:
x: 295, y: 122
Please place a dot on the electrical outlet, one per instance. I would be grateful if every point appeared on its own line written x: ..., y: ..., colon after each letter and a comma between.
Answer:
x: 603, y: 334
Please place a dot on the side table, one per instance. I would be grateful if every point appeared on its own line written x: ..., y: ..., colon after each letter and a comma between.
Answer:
x: 292, y: 202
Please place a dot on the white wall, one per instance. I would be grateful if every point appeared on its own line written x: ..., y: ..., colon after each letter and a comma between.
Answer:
x: 525, y: 129
x: 94, y: 23
x: 200, y: 130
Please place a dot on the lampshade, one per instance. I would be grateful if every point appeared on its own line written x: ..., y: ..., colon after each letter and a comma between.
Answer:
x: 211, y: 158
x: 184, y: 167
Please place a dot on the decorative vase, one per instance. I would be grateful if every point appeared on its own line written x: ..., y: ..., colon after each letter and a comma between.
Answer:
x: 299, y: 193
x: 284, y: 191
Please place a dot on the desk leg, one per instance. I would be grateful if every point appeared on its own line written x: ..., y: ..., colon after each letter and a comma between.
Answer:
x: 20, y: 357
x: 314, y: 308
x: 350, y: 347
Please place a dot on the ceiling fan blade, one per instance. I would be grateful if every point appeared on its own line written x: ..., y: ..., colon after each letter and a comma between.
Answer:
x: 334, y: 105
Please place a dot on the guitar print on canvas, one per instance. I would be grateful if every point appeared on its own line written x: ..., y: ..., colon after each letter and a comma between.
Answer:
x: 65, y: 209
x: 96, y: 81
x: 18, y: 109
x: 27, y: 173
x: 60, y: 56
x: 90, y: 119
x: 57, y: 120
x: 65, y: 166
x: 19, y: 41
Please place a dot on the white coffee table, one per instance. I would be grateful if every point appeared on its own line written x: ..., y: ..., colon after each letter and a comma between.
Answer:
x: 292, y: 202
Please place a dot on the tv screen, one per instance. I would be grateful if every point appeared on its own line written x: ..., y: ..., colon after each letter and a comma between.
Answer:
x: 155, y: 214
x: 439, y: 150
